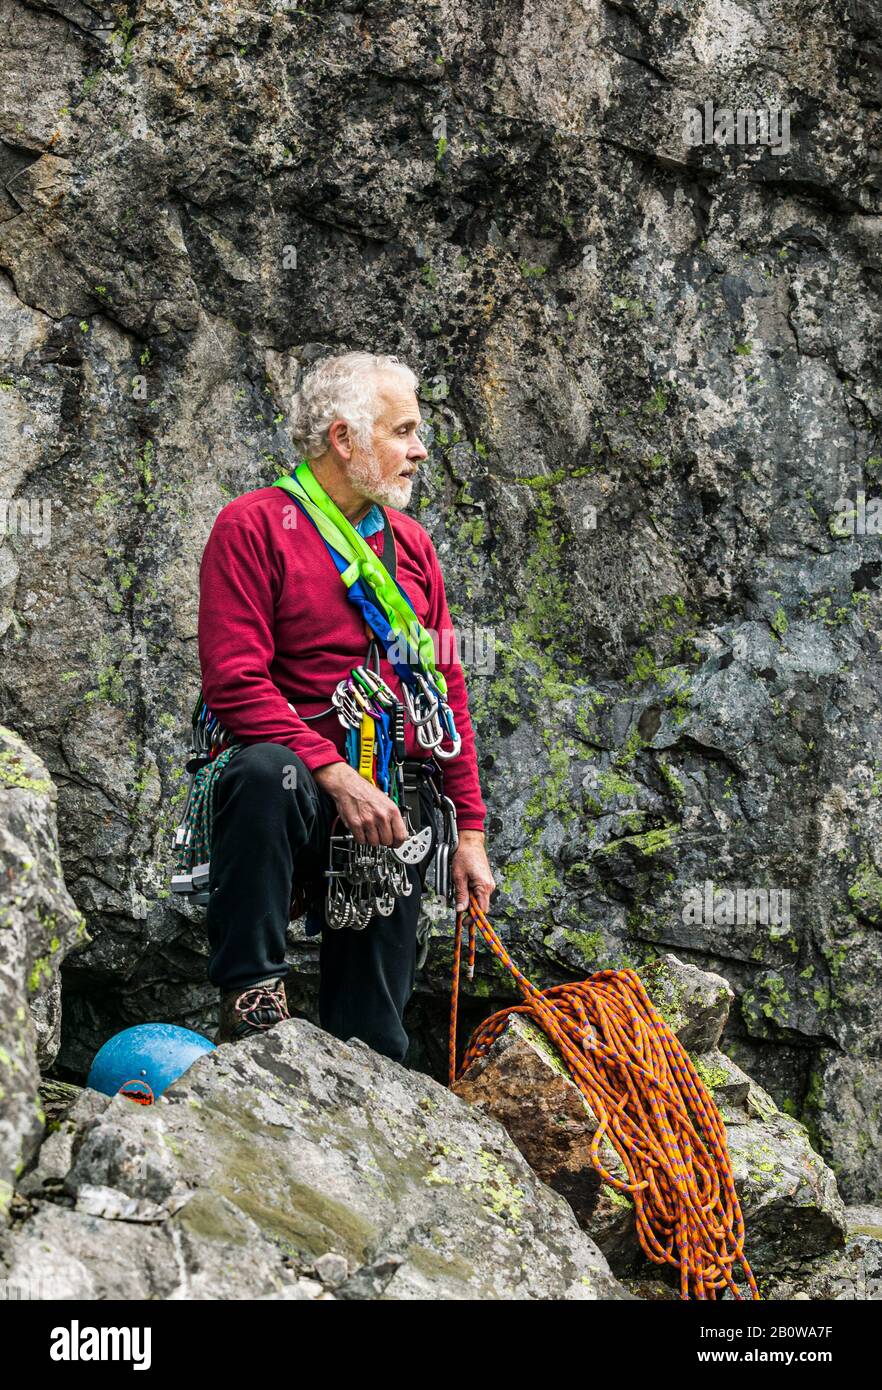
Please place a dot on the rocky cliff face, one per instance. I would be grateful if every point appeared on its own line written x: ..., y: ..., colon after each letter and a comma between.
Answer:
x: 39, y: 925
x: 294, y: 1166
x: 651, y: 368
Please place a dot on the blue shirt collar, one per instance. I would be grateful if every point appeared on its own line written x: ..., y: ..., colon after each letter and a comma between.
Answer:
x: 370, y: 523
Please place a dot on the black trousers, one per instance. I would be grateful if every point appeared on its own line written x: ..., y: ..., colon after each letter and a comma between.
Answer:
x: 271, y: 829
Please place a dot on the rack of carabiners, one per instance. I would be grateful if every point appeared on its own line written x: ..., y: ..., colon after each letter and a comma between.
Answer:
x: 364, y: 879
x: 212, y: 747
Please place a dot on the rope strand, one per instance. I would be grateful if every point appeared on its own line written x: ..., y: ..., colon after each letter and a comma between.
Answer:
x: 651, y: 1104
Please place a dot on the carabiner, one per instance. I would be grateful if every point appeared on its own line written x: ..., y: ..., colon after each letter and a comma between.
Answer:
x: 451, y: 729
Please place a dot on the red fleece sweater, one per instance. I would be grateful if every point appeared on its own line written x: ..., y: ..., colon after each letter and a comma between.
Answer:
x: 276, y: 625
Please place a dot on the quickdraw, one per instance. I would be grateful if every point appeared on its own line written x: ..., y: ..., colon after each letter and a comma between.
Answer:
x: 364, y: 879
x: 426, y: 710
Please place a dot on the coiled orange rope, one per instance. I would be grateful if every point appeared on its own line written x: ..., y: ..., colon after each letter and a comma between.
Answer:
x: 638, y: 1080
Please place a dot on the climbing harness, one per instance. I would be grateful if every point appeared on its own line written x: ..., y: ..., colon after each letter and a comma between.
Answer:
x: 640, y: 1083
x: 361, y: 879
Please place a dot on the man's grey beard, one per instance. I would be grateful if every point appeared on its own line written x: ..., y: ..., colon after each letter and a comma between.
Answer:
x: 367, y: 477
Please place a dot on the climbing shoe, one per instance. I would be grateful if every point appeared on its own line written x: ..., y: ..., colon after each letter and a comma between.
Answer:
x: 254, y: 1009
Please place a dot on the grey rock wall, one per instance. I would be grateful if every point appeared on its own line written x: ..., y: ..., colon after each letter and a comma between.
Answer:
x: 652, y: 373
x: 39, y: 924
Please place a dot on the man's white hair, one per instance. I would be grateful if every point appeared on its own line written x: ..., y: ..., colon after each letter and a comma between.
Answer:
x: 341, y: 388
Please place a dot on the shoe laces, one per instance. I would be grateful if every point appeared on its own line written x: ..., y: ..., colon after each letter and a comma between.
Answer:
x: 262, y: 1005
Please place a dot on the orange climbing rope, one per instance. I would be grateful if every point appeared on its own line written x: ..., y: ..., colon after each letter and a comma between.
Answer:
x: 638, y: 1080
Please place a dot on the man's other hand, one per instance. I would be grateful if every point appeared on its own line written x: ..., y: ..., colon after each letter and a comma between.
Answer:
x: 471, y: 871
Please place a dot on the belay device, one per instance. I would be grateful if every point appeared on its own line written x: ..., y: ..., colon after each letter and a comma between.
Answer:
x: 361, y: 879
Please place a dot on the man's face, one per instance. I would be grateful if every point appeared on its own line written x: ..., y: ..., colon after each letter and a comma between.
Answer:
x: 384, y: 473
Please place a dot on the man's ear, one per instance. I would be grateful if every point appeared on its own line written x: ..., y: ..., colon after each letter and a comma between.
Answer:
x: 341, y: 439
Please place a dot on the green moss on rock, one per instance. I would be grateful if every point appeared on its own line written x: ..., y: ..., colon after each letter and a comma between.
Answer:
x: 12, y: 774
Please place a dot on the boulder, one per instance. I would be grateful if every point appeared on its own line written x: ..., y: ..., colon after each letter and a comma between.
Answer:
x: 295, y: 1166
x: 39, y: 924
x: 694, y: 1002
x: 844, y: 1112
x: 852, y: 1273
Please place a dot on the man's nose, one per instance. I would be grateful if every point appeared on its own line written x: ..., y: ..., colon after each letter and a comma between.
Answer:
x: 421, y: 451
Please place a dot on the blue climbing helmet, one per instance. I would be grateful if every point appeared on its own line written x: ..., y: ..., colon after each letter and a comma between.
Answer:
x: 141, y: 1062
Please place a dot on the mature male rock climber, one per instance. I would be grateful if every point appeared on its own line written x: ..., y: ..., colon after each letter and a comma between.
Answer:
x: 277, y: 633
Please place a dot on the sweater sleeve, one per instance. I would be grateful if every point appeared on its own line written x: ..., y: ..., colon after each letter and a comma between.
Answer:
x: 461, y: 781
x: 236, y: 644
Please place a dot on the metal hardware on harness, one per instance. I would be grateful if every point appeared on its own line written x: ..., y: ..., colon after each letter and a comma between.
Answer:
x: 362, y: 880
x: 446, y: 845
x: 375, y: 684
x: 414, y: 850
x: 348, y: 712
x: 362, y: 692
x: 441, y: 752
x: 426, y: 711
x: 443, y: 884
x: 422, y: 705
